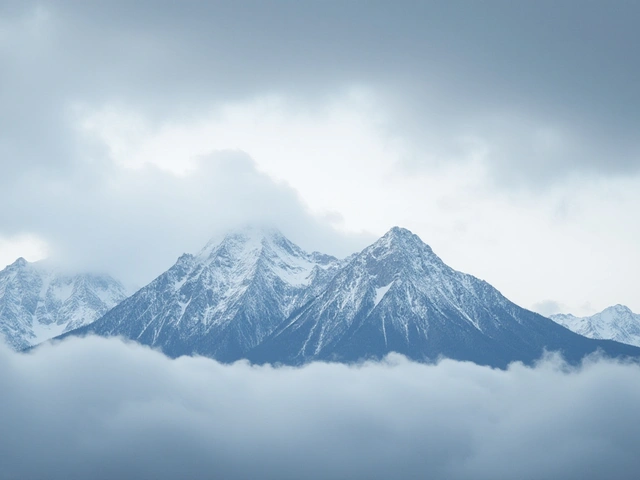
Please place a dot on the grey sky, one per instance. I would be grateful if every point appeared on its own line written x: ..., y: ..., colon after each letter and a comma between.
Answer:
x: 518, y: 119
x: 101, y: 408
x: 570, y: 63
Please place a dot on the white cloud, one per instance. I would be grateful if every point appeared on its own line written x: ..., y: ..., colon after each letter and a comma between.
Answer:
x: 337, y: 154
x: 101, y: 408
x: 348, y: 169
x: 134, y: 222
x: 30, y: 247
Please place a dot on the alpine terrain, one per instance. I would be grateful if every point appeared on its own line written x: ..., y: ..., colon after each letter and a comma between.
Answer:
x: 225, y: 300
x: 397, y: 295
x: 38, y: 302
x: 617, y: 323
x: 256, y: 295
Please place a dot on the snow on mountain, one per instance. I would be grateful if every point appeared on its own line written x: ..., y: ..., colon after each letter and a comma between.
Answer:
x: 256, y: 295
x: 617, y: 323
x: 224, y: 300
x: 38, y: 302
x: 397, y: 295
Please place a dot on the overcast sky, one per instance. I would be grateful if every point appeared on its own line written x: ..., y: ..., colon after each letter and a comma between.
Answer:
x: 503, y: 133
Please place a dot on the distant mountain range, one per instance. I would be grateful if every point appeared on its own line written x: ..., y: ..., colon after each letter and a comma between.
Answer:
x: 38, y: 302
x: 258, y: 296
x: 617, y: 323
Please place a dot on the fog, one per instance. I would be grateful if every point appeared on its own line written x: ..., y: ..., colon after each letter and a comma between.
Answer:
x: 102, y: 408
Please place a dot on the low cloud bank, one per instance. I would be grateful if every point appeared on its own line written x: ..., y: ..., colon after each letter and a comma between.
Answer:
x: 104, y: 409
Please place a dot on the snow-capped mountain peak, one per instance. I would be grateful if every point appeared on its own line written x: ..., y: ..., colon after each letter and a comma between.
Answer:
x: 402, y: 240
x: 39, y: 302
x: 239, y: 287
x: 618, y: 310
x: 19, y: 262
x: 617, y: 323
x: 398, y: 295
x: 254, y: 294
x: 395, y: 291
x: 398, y: 255
x: 247, y: 251
x: 246, y: 238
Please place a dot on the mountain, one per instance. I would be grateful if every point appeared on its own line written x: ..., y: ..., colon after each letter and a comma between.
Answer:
x: 38, y: 302
x: 223, y: 301
x: 617, y: 323
x: 258, y: 296
x: 397, y: 295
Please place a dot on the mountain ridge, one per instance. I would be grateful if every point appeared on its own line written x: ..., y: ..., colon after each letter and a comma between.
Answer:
x: 238, y: 290
x: 39, y: 301
x: 255, y: 295
x: 616, y: 322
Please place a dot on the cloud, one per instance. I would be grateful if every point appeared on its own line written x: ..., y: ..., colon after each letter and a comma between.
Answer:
x: 134, y: 222
x: 22, y: 245
x: 549, y: 307
x: 101, y: 408
x: 461, y: 72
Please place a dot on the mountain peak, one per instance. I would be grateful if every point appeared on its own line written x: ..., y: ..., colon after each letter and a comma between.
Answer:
x: 258, y: 250
x: 20, y: 262
x: 618, y: 309
x: 404, y: 239
x: 616, y: 322
x: 259, y: 237
x: 250, y: 237
x: 232, y: 294
x: 38, y: 302
x: 399, y: 231
x: 255, y: 232
x: 257, y: 295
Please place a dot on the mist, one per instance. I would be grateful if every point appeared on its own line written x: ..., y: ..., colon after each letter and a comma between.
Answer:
x: 104, y: 408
